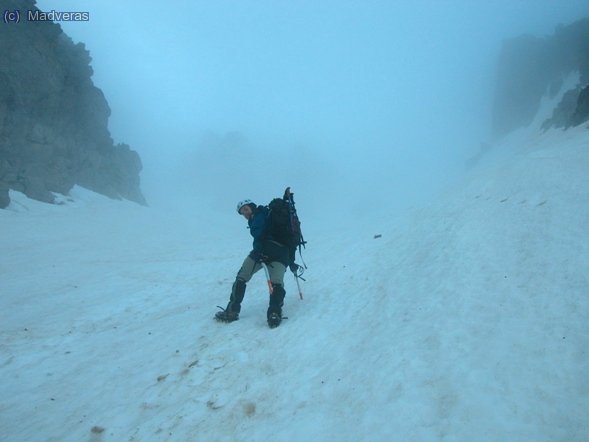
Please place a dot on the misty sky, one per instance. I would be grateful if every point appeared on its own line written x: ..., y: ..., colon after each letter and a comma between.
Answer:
x: 381, y: 86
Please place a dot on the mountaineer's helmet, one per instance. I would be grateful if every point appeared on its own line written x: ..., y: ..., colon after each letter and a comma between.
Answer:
x: 243, y: 203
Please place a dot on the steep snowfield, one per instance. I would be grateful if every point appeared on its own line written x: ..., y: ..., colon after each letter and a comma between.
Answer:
x: 468, y: 320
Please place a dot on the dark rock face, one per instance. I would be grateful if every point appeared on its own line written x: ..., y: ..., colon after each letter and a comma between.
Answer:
x: 563, y: 114
x: 4, y: 198
x: 53, y: 120
x: 572, y: 110
x: 531, y: 66
x: 581, y: 113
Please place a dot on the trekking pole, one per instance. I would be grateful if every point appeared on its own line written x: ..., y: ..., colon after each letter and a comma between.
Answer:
x: 270, y: 289
x: 298, y: 286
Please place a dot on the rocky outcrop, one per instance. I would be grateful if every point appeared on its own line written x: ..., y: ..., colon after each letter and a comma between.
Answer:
x: 529, y: 67
x: 53, y: 120
x: 581, y: 113
x: 564, y: 111
x: 572, y: 110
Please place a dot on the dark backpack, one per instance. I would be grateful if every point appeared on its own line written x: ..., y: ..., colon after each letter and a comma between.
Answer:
x: 284, y: 225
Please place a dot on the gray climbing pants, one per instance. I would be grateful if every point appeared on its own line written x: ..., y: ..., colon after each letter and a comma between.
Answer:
x: 250, y: 267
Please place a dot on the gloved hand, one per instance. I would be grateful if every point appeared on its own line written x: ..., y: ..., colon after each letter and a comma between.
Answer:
x: 294, y: 267
x: 258, y: 256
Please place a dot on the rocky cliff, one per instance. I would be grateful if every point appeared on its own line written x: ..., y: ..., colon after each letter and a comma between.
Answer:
x: 53, y: 120
x: 529, y: 67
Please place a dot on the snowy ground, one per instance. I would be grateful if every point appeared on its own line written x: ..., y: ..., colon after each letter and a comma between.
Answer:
x: 468, y: 320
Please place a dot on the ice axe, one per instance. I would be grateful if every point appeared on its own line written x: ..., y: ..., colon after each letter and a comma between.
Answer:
x: 270, y: 288
x: 298, y: 286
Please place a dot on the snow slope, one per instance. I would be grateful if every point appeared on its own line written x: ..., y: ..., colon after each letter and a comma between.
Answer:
x: 468, y: 320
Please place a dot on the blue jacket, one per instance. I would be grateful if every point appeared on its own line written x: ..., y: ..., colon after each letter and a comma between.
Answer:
x: 257, y: 225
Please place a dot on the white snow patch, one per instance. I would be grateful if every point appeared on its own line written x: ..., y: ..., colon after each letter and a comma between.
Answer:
x: 467, y: 320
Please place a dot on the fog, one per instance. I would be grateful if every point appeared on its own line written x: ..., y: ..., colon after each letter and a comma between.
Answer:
x: 363, y: 104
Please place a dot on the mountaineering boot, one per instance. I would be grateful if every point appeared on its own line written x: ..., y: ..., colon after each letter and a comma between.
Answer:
x: 274, y: 313
x: 231, y: 313
x: 226, y: 316
x: 274, y: 320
